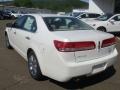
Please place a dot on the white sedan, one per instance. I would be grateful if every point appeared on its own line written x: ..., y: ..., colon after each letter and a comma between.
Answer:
x: 88, y: 16
x: 106, y: 23
x: 60, y: 47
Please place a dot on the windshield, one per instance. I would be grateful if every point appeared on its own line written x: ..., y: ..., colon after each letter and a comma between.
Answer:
x: 104, y: 17
x: 65, y: 24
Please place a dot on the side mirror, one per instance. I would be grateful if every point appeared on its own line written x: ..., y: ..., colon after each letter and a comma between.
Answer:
x: 112, y: 21
x: 9, y: 25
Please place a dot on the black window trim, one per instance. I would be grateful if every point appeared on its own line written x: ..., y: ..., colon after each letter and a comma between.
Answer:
x: 17, y: 20
x: 24, y: 23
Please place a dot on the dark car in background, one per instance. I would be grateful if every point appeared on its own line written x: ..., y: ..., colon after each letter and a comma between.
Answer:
x: 14, y: 14
x: 5, y: 15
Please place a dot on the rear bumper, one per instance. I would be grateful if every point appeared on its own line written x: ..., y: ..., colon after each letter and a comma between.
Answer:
x: 69, y: 71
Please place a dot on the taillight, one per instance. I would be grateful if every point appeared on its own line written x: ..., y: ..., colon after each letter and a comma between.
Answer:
x: 108, y: 42
x: 73, y: 46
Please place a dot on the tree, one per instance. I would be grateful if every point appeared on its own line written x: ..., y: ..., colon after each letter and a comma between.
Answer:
x: 56, y: 5
x: 23, y: 3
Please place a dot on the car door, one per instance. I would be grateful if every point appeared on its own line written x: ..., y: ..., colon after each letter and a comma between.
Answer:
x: 12, y: 31
x: 24, y: 35
x: 114, y: 24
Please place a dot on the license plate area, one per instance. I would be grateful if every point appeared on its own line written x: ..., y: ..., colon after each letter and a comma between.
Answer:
x: 98, y: 68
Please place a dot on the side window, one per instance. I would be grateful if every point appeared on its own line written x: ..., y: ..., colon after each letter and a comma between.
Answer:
x: 83, y: 16
x: 30, y: 24
x: 19, y: 22
x: 87, y: 15
x: 117, y: 18
x: 92, y: 16
x: 97, y: 15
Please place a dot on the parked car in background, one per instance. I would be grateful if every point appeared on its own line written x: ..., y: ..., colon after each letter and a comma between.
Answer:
x: 61, y: 13
x: 14, y: 14
x: 4, y: 15
x: 106, y: 23
x: 68, y: 13
x: 60, y: 47
x: 75, y: 14
x: 87, y: 16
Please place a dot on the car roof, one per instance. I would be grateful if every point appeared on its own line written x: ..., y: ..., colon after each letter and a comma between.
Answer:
x: 89, y: 13
x: 48, y: 15
x: 53, y: 15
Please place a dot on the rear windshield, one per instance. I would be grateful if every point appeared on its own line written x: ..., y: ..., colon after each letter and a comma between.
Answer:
x: 65, y: 24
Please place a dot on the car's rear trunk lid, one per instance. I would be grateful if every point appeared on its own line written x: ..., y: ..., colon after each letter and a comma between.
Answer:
x: 87, y: 36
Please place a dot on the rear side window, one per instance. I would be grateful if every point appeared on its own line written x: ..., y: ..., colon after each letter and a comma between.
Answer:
x: 30, y: 24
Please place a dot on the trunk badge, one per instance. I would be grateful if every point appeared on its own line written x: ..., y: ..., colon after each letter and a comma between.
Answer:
x: 99, y: 45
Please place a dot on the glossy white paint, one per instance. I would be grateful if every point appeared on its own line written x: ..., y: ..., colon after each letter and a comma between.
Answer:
x: 86, y: 16
x: 113, y: 26
x: 63, y: 66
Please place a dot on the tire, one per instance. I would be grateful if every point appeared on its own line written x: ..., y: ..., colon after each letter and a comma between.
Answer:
x: 102, y: 29
x: 7, y: 43
x: 33, y: 66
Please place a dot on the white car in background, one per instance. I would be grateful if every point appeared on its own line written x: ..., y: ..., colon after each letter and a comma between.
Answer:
x: 106, y: 23
x: 60, y: 47
x: 87, y: 16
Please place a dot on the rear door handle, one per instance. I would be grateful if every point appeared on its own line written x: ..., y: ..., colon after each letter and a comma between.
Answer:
x: 28, y: 38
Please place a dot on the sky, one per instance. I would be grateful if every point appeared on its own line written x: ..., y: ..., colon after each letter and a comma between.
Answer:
x: 85, y: 0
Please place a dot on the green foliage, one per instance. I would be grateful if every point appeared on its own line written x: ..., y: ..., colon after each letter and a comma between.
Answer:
x: 23, y: 3
x: 56, y: 5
